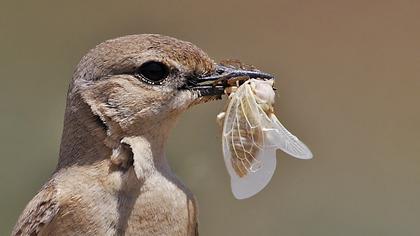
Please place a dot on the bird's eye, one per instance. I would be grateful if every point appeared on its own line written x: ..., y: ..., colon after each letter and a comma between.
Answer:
x: 152, y: 72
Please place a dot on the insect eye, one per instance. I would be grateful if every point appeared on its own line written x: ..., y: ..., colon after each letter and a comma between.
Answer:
x: 152, y: 72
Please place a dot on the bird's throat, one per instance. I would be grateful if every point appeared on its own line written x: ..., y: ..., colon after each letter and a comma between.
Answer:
x: 148, y: 155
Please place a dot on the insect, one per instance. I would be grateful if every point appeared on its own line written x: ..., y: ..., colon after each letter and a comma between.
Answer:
x: 251, y: 135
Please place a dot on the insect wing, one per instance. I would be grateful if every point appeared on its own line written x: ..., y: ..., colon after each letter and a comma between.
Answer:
x: 279, y: 137
x: 250, y: 162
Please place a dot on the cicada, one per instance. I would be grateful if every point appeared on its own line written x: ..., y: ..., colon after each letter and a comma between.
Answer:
x: 251, y: 135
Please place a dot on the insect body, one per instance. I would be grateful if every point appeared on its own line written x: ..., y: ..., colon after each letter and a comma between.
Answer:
x: 251, y: 135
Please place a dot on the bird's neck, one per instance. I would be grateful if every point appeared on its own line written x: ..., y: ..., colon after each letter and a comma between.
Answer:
x: 85, y: 142
x: 83, y: 138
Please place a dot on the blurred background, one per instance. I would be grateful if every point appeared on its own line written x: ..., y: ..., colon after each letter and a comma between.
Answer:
x: 348, y: 86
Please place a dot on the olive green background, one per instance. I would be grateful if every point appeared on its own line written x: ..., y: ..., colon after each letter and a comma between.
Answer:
x: 348, y: 85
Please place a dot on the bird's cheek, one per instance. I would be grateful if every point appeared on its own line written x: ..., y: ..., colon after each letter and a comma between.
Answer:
x: 184, y: 99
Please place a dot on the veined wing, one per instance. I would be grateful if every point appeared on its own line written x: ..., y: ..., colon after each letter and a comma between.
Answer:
x: 279, y: 137
x: 250, y: 162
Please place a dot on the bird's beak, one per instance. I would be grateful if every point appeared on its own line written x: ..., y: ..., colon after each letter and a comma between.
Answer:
x: 224, y: 76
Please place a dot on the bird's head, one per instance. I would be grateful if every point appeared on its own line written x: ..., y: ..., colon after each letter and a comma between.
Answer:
x: 139, y: 83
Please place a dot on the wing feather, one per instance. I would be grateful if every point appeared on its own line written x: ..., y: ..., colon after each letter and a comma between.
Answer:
x: 39, y: 212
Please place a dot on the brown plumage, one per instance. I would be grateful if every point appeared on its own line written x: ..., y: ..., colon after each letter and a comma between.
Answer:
x: 112, y: 177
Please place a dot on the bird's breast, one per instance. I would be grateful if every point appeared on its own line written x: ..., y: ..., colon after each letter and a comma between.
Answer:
x: 164, y: 206
x: 112, y: 205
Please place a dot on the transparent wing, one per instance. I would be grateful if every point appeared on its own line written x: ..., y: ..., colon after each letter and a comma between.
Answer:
x: 279, y: 137
x: 250, y: 162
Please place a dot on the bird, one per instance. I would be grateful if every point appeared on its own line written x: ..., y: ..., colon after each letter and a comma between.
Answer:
x: 112, y: 176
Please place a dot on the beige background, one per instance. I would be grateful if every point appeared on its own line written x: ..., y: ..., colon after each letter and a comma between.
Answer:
x: 349, y: 87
